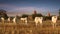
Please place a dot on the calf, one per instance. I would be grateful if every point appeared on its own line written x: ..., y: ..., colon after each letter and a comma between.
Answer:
x: 54, y: 20
x: 14, y: 20
x: 9, y: 19
x: 38, y: 20
x: 24, y: 20
x: 2, y: 19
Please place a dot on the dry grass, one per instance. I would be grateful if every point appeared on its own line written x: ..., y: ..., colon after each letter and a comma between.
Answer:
x: 31, y: 28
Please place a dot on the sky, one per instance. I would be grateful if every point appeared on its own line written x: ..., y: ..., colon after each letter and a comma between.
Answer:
x: 14, y: 7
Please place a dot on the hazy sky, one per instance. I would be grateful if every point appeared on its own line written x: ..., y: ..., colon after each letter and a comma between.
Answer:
x: 28, y: 6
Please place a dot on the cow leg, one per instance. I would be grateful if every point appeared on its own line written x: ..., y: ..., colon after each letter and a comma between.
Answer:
x: 40, y: 24
x: 26, y: 22
x: 15, y: 22
x: 2, y: 21
x: 53, y: 25
x: 36, y: 23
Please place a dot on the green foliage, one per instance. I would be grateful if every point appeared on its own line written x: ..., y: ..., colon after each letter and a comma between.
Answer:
x: 58, y: 17
x: 59, y: 12
x: 47, y: 17
x: 24, y: 15
x: 36, y: 15
x: 3, y: 14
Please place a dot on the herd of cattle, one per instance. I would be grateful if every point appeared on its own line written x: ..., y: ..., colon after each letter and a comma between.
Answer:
x: 36, y: 20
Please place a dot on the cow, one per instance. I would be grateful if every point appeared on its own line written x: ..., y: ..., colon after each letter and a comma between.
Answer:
x: 24, y: 20
x: 54, y: 20
x: 9, y: 19
x: 2, y: 19
x: 14, y: 20
x: 38, y: 20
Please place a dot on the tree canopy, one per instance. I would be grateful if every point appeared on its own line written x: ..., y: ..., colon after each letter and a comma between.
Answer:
x: 36, y: 15
x: 59, y: 12
x: 3, y: 14
x: 24, y: 15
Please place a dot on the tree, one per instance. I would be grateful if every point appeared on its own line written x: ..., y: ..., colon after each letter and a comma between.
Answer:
x: 3, y: 14
x: 59, y: 12
x: 36, y: 15
x: 47, y: 17
x: 24, y: 15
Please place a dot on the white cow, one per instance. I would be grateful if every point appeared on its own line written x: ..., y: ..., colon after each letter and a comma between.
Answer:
x: 38, y: 20
x: 54, y: 20
x: 2, y: 19
x: 14, y: 20
x: 24, y: 20
x: 9, y: 19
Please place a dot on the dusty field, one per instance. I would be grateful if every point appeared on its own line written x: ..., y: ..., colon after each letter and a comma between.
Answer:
x: 30, y: 28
